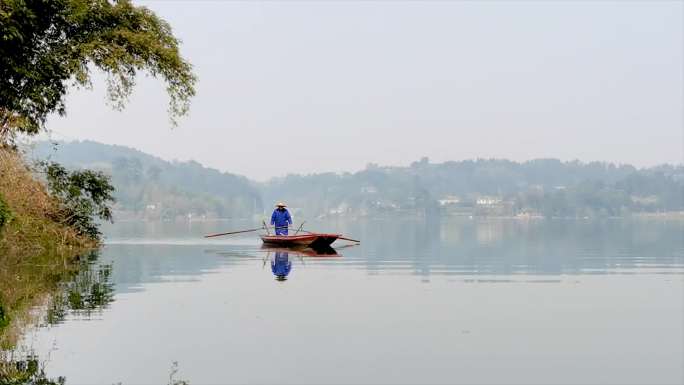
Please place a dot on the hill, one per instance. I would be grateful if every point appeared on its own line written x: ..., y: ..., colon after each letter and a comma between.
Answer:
x: 152, y: 188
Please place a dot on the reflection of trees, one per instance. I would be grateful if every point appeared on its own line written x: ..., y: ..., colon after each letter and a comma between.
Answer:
x: 462, y: 246
x: 27, y: 371
x: 90, y: 290
x: 81, y: 290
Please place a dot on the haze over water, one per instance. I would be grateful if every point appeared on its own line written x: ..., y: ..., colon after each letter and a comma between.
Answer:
x: 419, y: 301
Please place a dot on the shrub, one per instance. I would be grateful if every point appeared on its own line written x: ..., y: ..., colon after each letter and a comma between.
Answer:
x: 83, y: 196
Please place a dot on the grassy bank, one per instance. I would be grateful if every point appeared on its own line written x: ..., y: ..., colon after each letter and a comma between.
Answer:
x: 38, y: 250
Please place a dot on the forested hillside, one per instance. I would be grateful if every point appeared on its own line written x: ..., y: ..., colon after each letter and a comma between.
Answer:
x: 152, y: 188
x: 148, y: 187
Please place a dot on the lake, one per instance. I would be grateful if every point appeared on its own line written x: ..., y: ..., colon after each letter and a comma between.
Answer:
x: 477, y: 301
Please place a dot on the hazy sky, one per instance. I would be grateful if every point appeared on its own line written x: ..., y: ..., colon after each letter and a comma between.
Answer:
x: 329, y: 86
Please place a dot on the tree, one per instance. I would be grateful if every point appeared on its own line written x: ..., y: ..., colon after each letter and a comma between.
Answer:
x: 48, y: 45
x: 83, y: 195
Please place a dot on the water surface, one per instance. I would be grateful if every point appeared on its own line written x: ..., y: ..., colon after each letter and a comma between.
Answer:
x: 419, y: 301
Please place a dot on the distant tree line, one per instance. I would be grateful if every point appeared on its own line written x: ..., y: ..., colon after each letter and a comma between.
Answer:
x: 157, y: 189
x: 544, y: 187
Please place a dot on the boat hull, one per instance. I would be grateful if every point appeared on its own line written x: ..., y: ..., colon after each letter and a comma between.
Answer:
x: 314, y: 241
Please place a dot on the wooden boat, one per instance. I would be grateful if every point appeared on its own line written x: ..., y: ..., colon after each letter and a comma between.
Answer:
x: 316, y: 241
x: 311, y: 240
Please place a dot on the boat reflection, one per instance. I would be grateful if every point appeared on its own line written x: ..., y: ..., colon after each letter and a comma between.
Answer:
x: 280, y: 262
x: 326, y: 251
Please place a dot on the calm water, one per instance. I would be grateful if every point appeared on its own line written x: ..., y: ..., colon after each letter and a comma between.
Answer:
x: 450, y: 301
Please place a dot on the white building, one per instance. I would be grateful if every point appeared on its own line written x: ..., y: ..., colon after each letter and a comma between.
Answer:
x: 449, y: 200
x: 487, y: 201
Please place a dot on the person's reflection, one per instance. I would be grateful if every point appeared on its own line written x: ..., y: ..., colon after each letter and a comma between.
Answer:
x: 281, y: 265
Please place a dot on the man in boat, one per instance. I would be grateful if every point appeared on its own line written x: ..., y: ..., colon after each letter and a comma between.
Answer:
x: 281, y: 219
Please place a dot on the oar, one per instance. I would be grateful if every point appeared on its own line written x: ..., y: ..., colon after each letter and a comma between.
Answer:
x: 348, y: 239
x: 300, y: 228
x: 232, y: 232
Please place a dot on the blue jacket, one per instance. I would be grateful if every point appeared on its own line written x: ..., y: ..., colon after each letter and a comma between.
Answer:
x: 281, y: 218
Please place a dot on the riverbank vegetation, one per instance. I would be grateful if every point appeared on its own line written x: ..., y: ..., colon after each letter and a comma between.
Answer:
x: 34, y: 221
x: 44, y: 231
x: 39, y: 250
